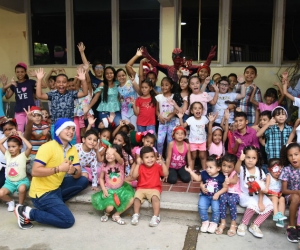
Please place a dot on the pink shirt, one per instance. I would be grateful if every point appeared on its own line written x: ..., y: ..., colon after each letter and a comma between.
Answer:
x: 263, y: 106
x: 234, y: 188
x: 204, y: 98
x: 215, y: 149
x: 177, y: 158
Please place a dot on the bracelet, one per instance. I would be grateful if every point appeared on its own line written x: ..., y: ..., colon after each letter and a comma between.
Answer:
x: 58, y: 169
x: 54, y: 170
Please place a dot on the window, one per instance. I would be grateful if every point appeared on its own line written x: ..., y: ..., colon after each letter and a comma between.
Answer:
x: 291, y: 49
x: 208, y: 12
x: 251, y: 30
x: 48, y: 20
x: 92, y: 26
x: 139, y: 26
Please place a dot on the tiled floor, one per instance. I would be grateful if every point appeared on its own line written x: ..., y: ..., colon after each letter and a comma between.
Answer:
x: 191, y: 187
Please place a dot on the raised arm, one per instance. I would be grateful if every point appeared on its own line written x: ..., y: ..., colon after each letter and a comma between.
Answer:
x: 193, y: 175
x: 26, y: 142
x: 2, y: 148
x: 216, y: 95
x: 81, y: 76
x: 254, y: 102
x: 129, y: 65
x: 239, y: 162
x: 40, y: 75
x: 293, y: 134
x: 211, y: 117
x: 260, y: 132
x: 277, y: 84
x: 242, y: 94
x: 286, y: 93
x: 81, y: 49
x: 184, y: 124
x: 225, y: 125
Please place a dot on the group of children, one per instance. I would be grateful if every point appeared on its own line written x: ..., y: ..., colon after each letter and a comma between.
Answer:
x: 241, y: 141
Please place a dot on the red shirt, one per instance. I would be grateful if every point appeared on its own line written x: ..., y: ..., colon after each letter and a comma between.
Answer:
x: 146, y: 116
x: 149, y: 177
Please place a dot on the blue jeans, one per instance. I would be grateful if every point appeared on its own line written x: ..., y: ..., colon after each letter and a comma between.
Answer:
x: 51, y: 208
x: 205, y: 202
x: 145, y: 128
x: 117, y: 119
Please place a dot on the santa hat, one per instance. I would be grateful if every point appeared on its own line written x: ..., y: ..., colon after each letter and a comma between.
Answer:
x: 23, y: 65
x: 60, y: 125
x: 206, y: 64
x: 135, y: 138
x: 178, y: 128
x: 36, y: 110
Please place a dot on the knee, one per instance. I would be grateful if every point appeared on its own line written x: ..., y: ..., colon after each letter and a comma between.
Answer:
x: 185, y: 178
x: 22, y: 189
x: 154, y: 199
x: 69, y: 222
x: 172, y: 179
x: 294, y: 199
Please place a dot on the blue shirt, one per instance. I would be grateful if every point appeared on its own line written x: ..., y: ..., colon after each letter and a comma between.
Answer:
x: 1, y: 103
x: 94, y: 80
x: 62, y: 105
x: 212, y: 184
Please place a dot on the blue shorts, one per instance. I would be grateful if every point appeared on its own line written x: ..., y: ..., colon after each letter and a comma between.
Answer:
x: 13, y: 186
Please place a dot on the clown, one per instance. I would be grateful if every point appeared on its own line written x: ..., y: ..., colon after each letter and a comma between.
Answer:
x: 179, y: 61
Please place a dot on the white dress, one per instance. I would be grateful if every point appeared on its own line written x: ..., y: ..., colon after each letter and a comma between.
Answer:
x: 252, y: 201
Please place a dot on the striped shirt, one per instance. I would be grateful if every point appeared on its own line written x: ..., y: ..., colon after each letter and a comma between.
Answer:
x: 36, y: 143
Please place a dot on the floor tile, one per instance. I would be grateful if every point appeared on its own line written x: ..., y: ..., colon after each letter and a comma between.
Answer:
x: 178, y: 189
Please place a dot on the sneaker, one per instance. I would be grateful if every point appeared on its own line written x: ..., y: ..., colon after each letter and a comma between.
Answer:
x: 23, y: 222
x: 280, y: 223
x: 241, y: 231
x: 212, y: 227
x: 292, y: 234
x: 298, y: 232
x: 204, y: 227
x: 11, y: 206
x: 276, y: 216
x: 254, y: 229
x: 154, y: 221
x: 281, y: 216
x: 135, y: 219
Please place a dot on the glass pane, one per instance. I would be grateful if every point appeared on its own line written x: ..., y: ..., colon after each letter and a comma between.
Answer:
x: 291, y: 50
x: 48, y: 20
x: 251, y: 31
x: 139, y: 26
x: 190, y: 27
x: 92, y: 26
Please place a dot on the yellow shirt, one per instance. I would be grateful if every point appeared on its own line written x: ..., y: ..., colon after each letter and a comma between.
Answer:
x: 51, y: 154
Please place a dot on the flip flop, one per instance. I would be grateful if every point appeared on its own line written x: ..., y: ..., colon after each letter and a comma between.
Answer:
x: 231, y: 232
x: 220, y: 230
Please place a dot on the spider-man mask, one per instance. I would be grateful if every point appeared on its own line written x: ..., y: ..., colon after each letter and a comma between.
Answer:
x: 177, y: 57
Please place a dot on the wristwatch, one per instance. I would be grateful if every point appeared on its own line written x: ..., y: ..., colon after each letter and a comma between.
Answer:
x: 75, y: 171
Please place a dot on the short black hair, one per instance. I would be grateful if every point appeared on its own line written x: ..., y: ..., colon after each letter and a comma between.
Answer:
x: 90, y: 132
x: 146, y: 150
x: 230, y: 158
x: 266, y: 113
x: 251, y: 67
x: 240, y: 114
x: 232, y: 74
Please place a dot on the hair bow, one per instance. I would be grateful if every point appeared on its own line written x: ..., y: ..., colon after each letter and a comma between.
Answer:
x: 148, y: 132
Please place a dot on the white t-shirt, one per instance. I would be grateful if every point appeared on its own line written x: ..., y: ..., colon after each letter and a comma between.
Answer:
x: 297, y: 104
x: 165, y: 108
x: 220, y: 106
x: 197, y: 129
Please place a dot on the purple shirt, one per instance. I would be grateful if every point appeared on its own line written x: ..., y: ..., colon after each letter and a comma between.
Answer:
x: 24, y: 95
x: 248, y: 139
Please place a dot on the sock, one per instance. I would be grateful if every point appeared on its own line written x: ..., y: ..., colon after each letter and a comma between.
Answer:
x: 27, y: 212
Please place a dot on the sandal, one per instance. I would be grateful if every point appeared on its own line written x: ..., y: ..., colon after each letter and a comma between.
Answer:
x: 104, y: 218
x: 118, y: 219
x: 220, y: 230
x: 232, y: 232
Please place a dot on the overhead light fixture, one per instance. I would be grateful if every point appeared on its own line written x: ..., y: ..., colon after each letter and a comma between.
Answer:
x: 183, y: 23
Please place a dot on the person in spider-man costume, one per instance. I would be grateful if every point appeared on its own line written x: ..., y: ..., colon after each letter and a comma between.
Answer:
x: 179, y: 61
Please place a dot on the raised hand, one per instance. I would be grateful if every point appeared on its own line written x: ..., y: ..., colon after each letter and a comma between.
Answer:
x: 40, y: 73
x: 276, y: 84
x: 126, y: 122
x: 111, y: 117
x: 19, y: 133
x: 188, y: 169
x: 215, y: 87
x: 285, y: 75
x: 31, y: 73
x: 254, y: 87
x: 91, y: 120
x: 180, y: 115
x: 138, y: 52
x: 13, y: 82
x: 61, y: 71
x: 207, y: 80
x: 81, y: 47
x: 3, y: 79
x: 241, y: 79
x: 238, y: 109
x: 226, y: 114
x: 29, y: 114
x: 212, y: 117
x: 144, y: 52
x: 242, y: 156
x: 80, y: 74
x: 122, y: 123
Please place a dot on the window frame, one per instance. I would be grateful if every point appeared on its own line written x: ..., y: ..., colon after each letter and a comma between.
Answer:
x: 224, y: 36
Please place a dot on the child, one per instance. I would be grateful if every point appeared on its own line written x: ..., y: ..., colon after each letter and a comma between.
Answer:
x: 40, y: 135
x: 212, y: 186
x: 46, y: 118
x: 148, y: 140
x: 248, y: 167
x: 294, y: 99
x: 127, y: 90
x: 296, y: 131
x: 276, y: 132
x: 231, y: 198
x: 197, y: 136
x: 290, y: 176
x: 178, y: 151
x: 122, y: 139
x: 16, y: 179
x: 225, y: 97
x: 149, y: 185
x: 115, y: 193
x: 89, y: 156
x: 108, y: 90
x: 124, y: 126
x: 216, y: 137
x: 273, y: 190
x: 250, y: 73
x: 243, y: 136
x: 232, y: 77
x: 62, y: 100
x: 144, y: 107
x: 165, y: 114
x: 271, y: 98
x: 197, y: 95
x: 23, y: 89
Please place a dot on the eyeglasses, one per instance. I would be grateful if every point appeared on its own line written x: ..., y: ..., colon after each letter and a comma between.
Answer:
x: 99, y: 67
x: 224, y: 84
